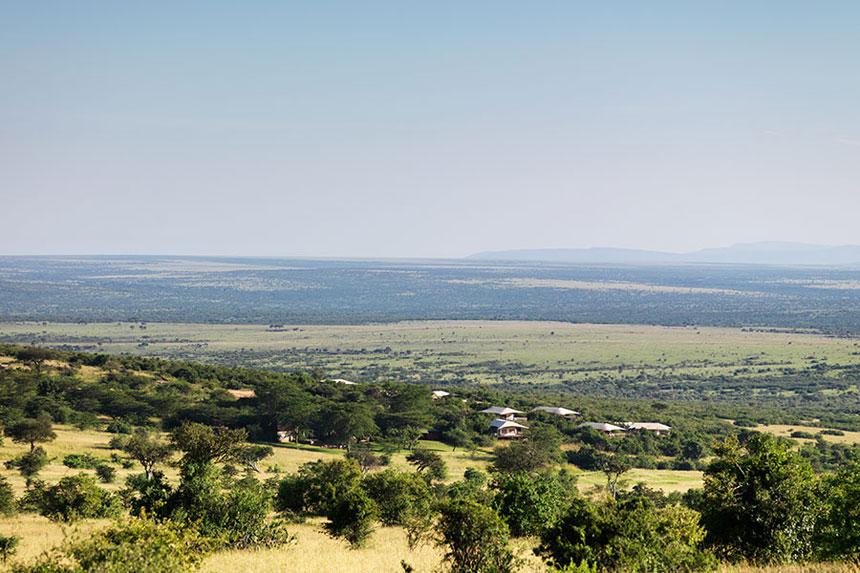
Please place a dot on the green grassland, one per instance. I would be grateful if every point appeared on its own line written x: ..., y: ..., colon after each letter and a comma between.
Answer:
x: 545, y: 353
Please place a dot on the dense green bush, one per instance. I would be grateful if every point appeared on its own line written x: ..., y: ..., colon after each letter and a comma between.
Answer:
x: 528, y: 504
x: 84, y: 461
x: 7, y: 498
x: 351, y: 517
x: 476, y: 539
x: 29, y: 464
x: 74, y: 498
x: 317, y: 486
x: 633, y: 534
x: 760, y: 502
x: 400, y: 497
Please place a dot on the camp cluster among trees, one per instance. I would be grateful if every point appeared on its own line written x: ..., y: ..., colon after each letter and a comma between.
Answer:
x: 762, y: 501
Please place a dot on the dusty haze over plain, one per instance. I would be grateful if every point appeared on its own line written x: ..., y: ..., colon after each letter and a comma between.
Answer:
x: 438, y: 129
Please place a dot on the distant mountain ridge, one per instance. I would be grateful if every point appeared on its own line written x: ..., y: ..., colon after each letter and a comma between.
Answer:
x: 763, y: 253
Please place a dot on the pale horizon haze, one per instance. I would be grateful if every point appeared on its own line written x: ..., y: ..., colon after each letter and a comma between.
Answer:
x: 392, y: 129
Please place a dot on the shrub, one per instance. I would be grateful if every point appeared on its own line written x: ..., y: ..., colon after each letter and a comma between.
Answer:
x: 7, y: 498
x: 401, y: 498
x: 148, y: 496
x: 29, y: 464
x: 106, y: 473
x: 117, y: 442
x: 317, y: 486
x: 119, y: 427
x: 351, y: 516
x: 85, y: 461
x: 76, y: 497
x: 8, y: 546
x: 631, y: 535
x: 803, y: 435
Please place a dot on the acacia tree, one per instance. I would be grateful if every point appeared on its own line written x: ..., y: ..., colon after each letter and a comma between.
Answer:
x: 31, y: 431
x: 35, y: 356
x: 613, y: 467
x: 148, y: 450
x: 252, y: 454
x: 202, y: 445
x: 431, y: 462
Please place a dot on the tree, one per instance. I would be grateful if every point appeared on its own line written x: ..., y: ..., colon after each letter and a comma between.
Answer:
x: 29, y: 464
x: 431, y: 462
x: 148, y: 450
x: 475, y: 537
x: 351, y: 516
x: 35, y: 356
x: 365, y: 458
x: 539, y: 450
x: 203, y: 444
x: 837, y: 534
x: 613, y: 467
x: 400, y: 497
x: 317, y: 486
x: 291, y: 407
x: 530, y: 503
x: 347, y: 422
x: 252, y: 454
x: 457, y: 438
x: 31, y: 431
x: 760, y: 502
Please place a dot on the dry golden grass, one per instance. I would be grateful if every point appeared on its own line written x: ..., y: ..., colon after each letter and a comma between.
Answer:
x: 317, y: 552
x: 38, y: 534
x: 786, y: 430
x: 69, y: 440
x: 804, y: 568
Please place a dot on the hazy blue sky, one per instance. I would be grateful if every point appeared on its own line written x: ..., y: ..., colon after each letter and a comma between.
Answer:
x: 426, y: 129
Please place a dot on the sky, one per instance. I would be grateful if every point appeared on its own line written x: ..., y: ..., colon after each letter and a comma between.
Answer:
x: 426, y: 129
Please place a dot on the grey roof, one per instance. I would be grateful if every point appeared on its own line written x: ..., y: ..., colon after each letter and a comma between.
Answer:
x: 556, y: 411
x: 602, y: 426
x: 499, y: 424
x: 500, y: 411
x: 654, y: 426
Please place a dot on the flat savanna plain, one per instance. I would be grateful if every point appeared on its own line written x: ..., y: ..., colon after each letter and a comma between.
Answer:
x: 488, y: 352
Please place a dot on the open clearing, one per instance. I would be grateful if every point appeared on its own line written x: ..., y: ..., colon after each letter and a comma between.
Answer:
x: 464, y: 351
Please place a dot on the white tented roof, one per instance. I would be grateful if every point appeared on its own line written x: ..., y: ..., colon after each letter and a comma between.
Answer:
x: 602, y: 426
x: 653, y: 426
x: 500, y: 411
x: 343, y: 381
x: 440, y: 393
x: 556, y: 411
x: 499, y: 424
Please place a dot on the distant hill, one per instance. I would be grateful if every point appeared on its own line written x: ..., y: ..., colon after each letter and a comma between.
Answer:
x: 764, y: 253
